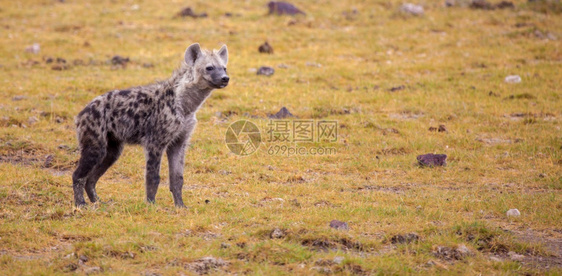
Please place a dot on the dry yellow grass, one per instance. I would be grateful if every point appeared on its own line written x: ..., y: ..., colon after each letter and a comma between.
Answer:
x: 503, y: 140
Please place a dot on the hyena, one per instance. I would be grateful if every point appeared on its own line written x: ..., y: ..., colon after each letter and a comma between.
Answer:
x: 159, y: 116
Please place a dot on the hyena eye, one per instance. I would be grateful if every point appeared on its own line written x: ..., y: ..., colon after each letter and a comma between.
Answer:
x: 209, y: 68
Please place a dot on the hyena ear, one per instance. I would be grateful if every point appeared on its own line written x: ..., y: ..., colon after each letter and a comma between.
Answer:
x: 192, y: 53
x: 223, y: 54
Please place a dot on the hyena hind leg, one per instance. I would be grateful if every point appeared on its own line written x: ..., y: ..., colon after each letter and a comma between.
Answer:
x: 113, y: 151
x: 89, y: 159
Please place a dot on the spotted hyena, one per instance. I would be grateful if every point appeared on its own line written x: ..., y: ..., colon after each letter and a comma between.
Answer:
x: 159, y: 116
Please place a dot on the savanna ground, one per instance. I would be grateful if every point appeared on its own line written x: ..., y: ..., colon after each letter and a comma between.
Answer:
x: 447, y: 67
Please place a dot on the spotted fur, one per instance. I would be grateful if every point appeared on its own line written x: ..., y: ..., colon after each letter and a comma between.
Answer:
x: 159, y: 116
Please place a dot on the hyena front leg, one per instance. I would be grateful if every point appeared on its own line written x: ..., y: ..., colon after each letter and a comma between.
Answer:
x: 176, y: 156
x: 114, y: 149
x: 153, y: 159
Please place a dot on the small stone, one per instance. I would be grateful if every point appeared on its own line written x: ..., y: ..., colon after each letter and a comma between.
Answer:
x: 542, y: 175
x: 495, y: 259
x: 338, y: 259
x: 505, y: 5
x: 49, y: 163
x: 34, y: 49
x: 277, y: 234
x: 432, y: 160
x: 83, y: 258
x: 32, y: 120
x: 412, y: 9
x: 513, y: 79
x: 481, y: 4
x: 515, y: 257
x: 283, y: 8
x: 442, y: 128
x: 339, y: 225
x: 188, y: 12
x: 282, y: 114
x: 513, y: 213
x: 283, y: 66
x: 266, y: 71
x: 265, y: 48
x: 397, y: 88
x: 225, y: 245
x: 119, y: 60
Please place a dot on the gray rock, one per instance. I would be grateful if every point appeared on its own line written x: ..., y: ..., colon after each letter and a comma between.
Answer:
x: 513, y: 79
x: 277, y: 234
x: 266, y: 71
x: 283, y: 8
x: 282, y: 114
x: 339, y: 225
x: 432, y: 160
x: 338, y: 259
x: 513, y: 213
x: 412, y: 9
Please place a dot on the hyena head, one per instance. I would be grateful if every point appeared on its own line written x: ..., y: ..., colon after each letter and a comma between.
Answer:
x: 208, y: 68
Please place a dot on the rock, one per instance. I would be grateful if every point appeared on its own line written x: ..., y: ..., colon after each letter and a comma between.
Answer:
x: 432, y: 160
x: 225, y: 245
x: 266, y: 71
x: 338, y: 259
x: 441, y: 128
x: 505, y: 5
x: 49, y: 163
x: 406, y: 238
x: 515, y: 257
x: 481, y: 4
x: 495, y: 259
x: 119, y: 60
x: 283, y: 8
x: 513, y: 79
x: 449, y: 254
x: 412, y: 9
x: 339, y: 225
x: 188, y: 12
x: 32, y: 120
x: 513, y: 213
x: 277, y: 234
x: 265, y: 48
x: 397, y: 88
x: 282, y: 114
x: 34, y: 49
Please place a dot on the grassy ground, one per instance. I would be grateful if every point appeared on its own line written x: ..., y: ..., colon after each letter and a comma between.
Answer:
x: 503, y: 140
